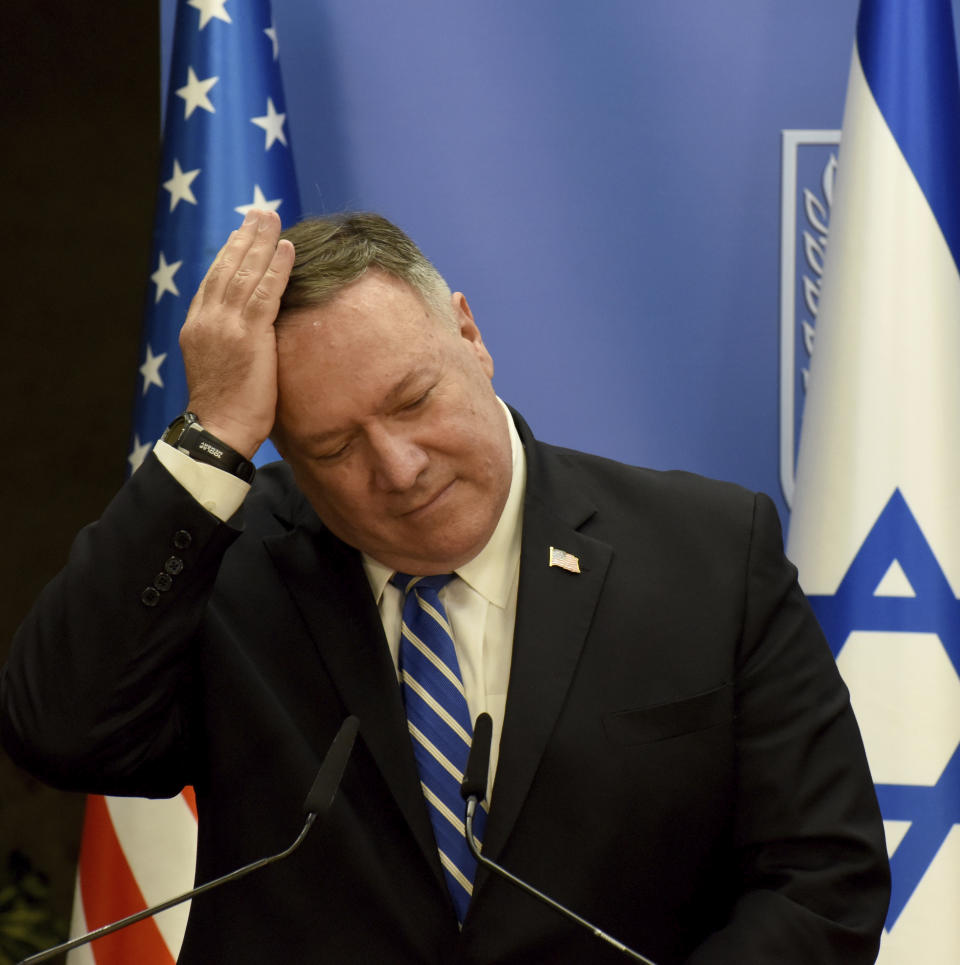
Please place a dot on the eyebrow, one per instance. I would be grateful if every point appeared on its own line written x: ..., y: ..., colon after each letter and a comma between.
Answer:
x: 394, y: 395
x: 401, y: 388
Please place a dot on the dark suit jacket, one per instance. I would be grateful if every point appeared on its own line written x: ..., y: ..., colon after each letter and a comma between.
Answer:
x: 679, y: 761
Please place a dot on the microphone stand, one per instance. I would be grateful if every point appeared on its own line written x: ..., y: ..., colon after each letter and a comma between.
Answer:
x: 318, y: 802
x: 170, y: 902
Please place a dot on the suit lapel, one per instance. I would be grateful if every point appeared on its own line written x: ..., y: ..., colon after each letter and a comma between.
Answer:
x: 554, y: 611
x: 329, y: 587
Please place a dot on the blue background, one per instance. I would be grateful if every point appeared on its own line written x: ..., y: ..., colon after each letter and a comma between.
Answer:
x: 601, y: 179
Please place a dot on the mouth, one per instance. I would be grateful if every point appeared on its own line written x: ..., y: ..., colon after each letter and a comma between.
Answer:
x: 428, y: 503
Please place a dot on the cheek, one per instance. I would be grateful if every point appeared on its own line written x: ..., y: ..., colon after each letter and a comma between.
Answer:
x: 334, y: 492
x: 312, y: 483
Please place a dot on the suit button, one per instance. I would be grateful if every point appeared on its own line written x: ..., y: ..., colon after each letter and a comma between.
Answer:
x: 174, y: 565
x: 163, y: 582
x: 182, y: 539
x: 150, y: 596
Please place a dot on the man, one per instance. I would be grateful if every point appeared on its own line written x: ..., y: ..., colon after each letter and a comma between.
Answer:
x: 675, y: 757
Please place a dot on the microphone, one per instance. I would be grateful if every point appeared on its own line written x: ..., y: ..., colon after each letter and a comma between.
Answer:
x: 474, y: 786
x: 473, y: 789
x: 317, y: 804
x: 327, y: 782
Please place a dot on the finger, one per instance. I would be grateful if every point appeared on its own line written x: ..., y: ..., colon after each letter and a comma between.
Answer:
x: 228, y: 259
x: 255, y: 260
x: 208, y: 283
x: 264, y: 303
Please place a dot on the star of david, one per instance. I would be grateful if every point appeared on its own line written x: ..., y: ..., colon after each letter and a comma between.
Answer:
x: 896, y: 536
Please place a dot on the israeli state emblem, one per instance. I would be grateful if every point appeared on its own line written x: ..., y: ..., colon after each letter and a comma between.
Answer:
x: 808, y: 170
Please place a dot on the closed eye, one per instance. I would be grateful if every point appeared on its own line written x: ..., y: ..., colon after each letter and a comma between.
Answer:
x: 418, y: 401
x: 333, y: 454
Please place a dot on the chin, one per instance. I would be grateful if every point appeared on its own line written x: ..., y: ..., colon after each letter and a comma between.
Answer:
x: 450, y: 557
x: 440, y: 559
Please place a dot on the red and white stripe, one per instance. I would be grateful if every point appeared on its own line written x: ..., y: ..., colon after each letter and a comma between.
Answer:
x: 135, y: 852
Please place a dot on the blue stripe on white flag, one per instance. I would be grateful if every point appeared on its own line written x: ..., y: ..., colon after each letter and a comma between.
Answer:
x: 922, y: 109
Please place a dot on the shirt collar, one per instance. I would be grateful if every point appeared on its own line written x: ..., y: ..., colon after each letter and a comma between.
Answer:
x: 490, y: 573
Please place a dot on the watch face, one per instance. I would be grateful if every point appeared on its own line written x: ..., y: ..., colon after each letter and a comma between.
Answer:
x: 173, y: 431
x: 206, y: 448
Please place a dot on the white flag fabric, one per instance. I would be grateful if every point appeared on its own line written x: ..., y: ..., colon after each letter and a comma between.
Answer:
x: 875, y: 528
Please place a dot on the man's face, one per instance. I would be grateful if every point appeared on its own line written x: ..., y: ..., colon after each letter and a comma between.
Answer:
x: 387, y: 417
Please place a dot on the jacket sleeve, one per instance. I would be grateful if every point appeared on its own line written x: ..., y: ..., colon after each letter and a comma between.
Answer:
x: 812, y: 865
x: 96, y: 693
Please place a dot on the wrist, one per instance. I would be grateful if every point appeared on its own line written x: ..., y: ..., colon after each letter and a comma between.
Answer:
x: 195, y: 440
x: 239, y: 434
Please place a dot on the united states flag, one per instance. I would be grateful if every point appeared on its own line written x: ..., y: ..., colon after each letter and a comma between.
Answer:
x: 875, y: 530
x: 565, y: 560
x: 226, y: 148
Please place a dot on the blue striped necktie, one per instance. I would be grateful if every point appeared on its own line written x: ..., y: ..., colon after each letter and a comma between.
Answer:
x: 439, y: 724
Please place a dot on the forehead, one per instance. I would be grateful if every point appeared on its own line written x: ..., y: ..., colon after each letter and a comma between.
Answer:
x: 350, y: 353
x: 375, y: 306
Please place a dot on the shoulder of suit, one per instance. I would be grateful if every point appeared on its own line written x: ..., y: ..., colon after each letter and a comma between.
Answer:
x: 670, y: 482
x: 551, y: 470
x: 672, y: 496
x: 275, y: 496
x: 274, y: 480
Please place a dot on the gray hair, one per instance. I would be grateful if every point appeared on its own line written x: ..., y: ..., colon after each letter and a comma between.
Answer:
x: 333, y: 252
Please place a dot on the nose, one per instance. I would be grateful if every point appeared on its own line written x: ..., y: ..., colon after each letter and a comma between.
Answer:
x: 397, y: 460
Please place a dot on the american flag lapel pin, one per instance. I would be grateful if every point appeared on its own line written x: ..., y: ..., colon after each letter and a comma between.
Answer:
x: 563, y: 559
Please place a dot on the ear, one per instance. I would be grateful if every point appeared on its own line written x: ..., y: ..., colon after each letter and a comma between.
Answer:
x: 469, y: 332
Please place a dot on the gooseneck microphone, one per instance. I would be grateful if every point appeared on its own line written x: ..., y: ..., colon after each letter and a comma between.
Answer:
x: 317, y: 804
x: 473, y: 790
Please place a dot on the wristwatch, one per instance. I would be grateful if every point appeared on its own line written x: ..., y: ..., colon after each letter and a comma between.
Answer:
x: 187, y: 435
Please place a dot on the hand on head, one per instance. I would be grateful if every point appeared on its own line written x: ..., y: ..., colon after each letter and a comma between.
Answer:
x: 376, y: 387
x: 228, y: 341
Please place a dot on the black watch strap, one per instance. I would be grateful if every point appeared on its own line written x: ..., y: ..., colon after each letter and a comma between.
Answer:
x: 187, y: 435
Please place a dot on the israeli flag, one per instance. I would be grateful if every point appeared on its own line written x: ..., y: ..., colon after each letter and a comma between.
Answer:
x: 875, y: 529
